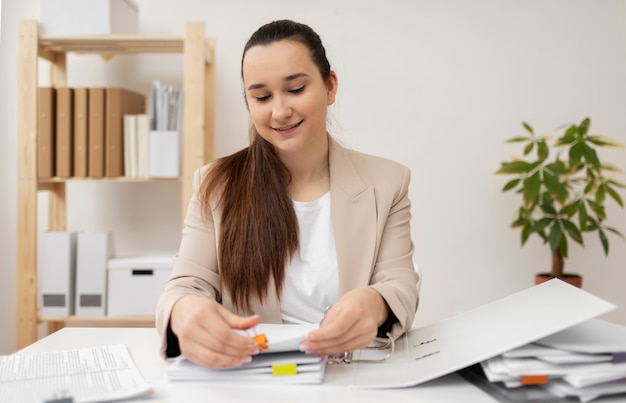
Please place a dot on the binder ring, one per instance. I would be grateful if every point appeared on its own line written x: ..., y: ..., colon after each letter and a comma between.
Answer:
x: 346, y: 356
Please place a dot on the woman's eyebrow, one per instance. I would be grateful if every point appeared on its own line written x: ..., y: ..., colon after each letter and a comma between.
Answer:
x: 290, y: 77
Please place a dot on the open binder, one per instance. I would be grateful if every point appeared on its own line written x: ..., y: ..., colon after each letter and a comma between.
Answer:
x: 465, y: 339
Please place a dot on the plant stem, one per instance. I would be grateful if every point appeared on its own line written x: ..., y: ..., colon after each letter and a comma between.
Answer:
x: 557, y: 264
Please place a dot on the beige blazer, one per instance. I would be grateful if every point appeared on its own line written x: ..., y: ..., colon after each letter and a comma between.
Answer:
x: 371, y: 214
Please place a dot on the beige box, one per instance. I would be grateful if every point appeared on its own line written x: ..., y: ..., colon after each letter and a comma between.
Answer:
x: 134, y: 284
x: 88, y: 17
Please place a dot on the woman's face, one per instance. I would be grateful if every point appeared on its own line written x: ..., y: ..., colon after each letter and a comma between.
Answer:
x: 286, y: 95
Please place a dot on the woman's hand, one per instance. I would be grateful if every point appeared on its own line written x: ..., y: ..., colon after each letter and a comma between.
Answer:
x: 205, y: 333
x: 352, y: 323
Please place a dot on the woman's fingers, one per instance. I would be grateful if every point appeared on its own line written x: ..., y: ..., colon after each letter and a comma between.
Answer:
x: 349, y: 325
x: 205, y: 333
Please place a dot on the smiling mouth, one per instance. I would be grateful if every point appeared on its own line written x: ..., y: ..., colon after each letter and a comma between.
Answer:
x: 285, y: 128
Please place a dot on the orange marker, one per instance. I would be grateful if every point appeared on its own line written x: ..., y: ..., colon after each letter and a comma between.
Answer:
x: 534, y: 379
x: 261, y: 341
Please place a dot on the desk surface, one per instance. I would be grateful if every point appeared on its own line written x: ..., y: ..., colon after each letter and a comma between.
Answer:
x: 143, y: 344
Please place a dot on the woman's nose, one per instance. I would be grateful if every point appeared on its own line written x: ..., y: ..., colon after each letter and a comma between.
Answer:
x: 281, y: 108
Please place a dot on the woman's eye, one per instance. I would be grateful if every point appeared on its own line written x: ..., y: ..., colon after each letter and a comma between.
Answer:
x: 297, y: 90
x: 262, y: 98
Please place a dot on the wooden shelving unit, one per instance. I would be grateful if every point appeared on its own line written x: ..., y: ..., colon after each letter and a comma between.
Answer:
x: 197, y: 148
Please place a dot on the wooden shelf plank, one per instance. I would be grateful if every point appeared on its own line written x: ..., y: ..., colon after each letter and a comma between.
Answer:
x: 121, y: 179
x: 144, y: 320
x: 110, y: 44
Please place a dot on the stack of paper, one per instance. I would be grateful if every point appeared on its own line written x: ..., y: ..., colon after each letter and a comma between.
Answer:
x: 85, y: 375
x: 585, y: 361
x: 282, y: 362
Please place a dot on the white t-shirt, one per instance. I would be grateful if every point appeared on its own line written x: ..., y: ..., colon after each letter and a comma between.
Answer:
x: 312, y: 280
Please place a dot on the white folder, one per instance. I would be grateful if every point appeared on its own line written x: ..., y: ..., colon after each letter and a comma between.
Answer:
x: 468, y: 338
x: 57, y: 267
x: 93, y: 250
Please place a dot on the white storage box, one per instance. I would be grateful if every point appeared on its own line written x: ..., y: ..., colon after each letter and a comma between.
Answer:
x: 134, y: 284
x: 87, y: 17
x: 164, y: 154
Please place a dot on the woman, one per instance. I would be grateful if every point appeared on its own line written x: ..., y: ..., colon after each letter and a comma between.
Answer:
x: 291, y: 225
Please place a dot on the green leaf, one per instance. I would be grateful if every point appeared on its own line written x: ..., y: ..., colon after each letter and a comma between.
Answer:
x: 528, y: 128
x: 574, y: 208
x: 529, y: 147
x: 576, y: 154
x: 613, y: 230
x: 531, y: 186
x: 604, y: 240
x: 572, y: 231
x: 582, y: 215
x: 604, y: 141
x: 554, y: 186
x: 555, y: 236
x: 606, y: 166
x: 548, y: 208
x: 583, y: 127
x: 571, y: 131
x: 515, y: 167
x: 590, y: 224
x: 525, y: 233
x: 591, y: 157
x: 542, y: 151
x: 616, y: 183
x: 601, y: 194
x: 557, y: 167
x: 598, y: 209
x: 518, y: 139
x: 540, y: 225
x: 510, y: 185
x: 561, y: 141
x: 614, y: 195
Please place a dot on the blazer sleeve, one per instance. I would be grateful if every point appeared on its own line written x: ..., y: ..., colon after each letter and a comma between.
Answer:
x: 394, y: 275
x: 195, y: 267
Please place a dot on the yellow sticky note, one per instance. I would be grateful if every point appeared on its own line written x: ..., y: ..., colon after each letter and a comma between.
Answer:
x: 284, y: 369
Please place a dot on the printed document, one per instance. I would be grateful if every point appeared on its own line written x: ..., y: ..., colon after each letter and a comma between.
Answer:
x: 86, y: 375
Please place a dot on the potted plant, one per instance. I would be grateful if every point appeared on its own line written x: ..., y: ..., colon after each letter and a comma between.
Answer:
x: 564, y: 194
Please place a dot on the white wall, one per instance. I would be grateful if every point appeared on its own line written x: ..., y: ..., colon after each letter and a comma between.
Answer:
x: 435, y: 84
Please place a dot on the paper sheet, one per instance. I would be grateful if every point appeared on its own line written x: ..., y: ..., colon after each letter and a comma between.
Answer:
x: 87, y: 375
x: 282, y: 337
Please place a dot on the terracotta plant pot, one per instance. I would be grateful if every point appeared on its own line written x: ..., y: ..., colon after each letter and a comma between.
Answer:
x: 573, y: 279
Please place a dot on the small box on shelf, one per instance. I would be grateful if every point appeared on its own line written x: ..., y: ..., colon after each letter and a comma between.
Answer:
x: 164, y: 154
x: 134, y: 284
x: 88, y: 17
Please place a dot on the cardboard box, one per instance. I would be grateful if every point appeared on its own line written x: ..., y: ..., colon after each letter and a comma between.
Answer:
x: 134, y: 284
x: 88, y: 17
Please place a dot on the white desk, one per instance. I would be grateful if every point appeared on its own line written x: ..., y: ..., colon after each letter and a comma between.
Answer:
x: 143, y: 344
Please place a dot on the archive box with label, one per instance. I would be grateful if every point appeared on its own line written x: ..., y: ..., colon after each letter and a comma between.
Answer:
x: 88, y: 17
x: 134, y: 284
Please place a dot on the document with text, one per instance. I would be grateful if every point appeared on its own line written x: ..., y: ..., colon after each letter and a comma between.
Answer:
x: 97, y: 374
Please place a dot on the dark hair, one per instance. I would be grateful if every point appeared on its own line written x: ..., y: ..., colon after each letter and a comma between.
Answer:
x: 287, y: 30
x: 259, y: 227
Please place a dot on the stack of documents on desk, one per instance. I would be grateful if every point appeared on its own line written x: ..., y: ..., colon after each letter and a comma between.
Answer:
x: 84, y: 375
x: 282, y: 362
x: 585, y: 361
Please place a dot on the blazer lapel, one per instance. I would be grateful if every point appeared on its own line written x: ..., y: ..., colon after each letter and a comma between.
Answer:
x: 353, y: 209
